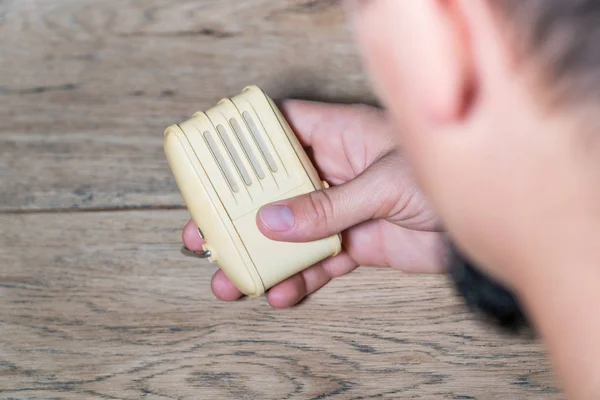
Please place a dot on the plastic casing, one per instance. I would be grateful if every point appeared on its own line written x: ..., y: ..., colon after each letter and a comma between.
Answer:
x: 228, y: 162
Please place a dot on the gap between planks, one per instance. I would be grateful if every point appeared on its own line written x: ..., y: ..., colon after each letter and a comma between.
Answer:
x: 93, y: 209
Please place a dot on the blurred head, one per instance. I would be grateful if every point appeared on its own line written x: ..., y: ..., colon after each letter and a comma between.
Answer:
x: 494, y: 101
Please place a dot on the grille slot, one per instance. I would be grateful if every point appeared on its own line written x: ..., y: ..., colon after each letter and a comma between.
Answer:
x: 234, y: 155
x: 237, y: 129
x: 223, y: 166
x: 259, y: 141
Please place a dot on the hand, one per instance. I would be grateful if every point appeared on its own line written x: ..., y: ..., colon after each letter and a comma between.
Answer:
x: 373, y: 201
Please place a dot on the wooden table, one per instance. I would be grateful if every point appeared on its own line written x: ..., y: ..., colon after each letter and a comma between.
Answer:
x: 95, y: 299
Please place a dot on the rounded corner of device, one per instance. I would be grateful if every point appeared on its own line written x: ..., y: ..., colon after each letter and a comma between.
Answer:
x: 172, y: 135
x: 171, y: 130
x: 258, y: 292
x: 252, y: 88
x: 338, y: 244
x: 245, y: 283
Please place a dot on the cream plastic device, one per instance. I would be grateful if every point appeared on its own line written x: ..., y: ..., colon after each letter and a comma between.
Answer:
x: 228, y: 162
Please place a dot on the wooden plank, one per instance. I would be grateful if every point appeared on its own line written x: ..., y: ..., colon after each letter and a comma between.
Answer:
x: 88, y: 86
x: 102, y: 305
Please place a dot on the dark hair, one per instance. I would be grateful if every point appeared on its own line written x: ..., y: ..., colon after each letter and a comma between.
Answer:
x: 562, y: 39
x: 486, y: 297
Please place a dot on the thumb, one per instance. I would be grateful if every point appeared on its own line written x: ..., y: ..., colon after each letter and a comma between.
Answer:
x: 327, y: 212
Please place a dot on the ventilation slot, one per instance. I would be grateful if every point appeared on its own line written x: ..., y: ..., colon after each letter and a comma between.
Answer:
x: 260, y: 142
x: 234, y: 154
x: 246, y: 146
x: 221, y: 161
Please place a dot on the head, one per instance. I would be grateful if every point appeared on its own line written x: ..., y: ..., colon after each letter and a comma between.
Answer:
x: 494, y: 102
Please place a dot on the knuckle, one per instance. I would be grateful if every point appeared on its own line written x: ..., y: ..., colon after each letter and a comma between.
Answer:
x: 366, y: 110
x: 319, y: 209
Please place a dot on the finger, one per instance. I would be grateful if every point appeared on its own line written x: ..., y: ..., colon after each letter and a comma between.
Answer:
x: 335, y: 267
x: 323, y: 213
x: 223, y: 288
x: 310, y: 119
x: 381, y: 243
x: 291, y: 291
x: 191, y: 238
x: 287, y: 293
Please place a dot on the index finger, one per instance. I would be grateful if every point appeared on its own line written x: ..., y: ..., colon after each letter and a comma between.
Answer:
x: 311, y: 119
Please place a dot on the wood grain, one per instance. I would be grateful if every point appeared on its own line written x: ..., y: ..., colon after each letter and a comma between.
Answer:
x: 102, y: 305
x: 95, y: 299
x: 88, y: 86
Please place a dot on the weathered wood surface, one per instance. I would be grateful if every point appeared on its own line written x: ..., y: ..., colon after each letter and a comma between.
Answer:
x: 102, y: 305
x: 88, y: 86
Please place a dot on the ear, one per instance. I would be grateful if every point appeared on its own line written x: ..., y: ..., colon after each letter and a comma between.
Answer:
x: 428, y: 44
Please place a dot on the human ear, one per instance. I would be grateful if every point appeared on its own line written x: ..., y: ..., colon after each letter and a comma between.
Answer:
x: 420, y: 49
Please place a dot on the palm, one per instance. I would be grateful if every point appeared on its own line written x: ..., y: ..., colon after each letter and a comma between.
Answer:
x: 403, y: 237
x: 346, y: 142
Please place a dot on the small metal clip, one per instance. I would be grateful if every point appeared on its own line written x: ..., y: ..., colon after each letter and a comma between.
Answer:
x: 187, y: 252
x: 203, y: 254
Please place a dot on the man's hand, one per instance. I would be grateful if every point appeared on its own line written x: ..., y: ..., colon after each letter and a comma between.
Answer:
x: 373, y: 201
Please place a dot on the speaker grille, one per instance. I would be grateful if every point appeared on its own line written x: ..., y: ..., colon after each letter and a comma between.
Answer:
x: 234, y: 155
x: 268, y: 157
x: 223, y: 165
x: 237, y: 129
